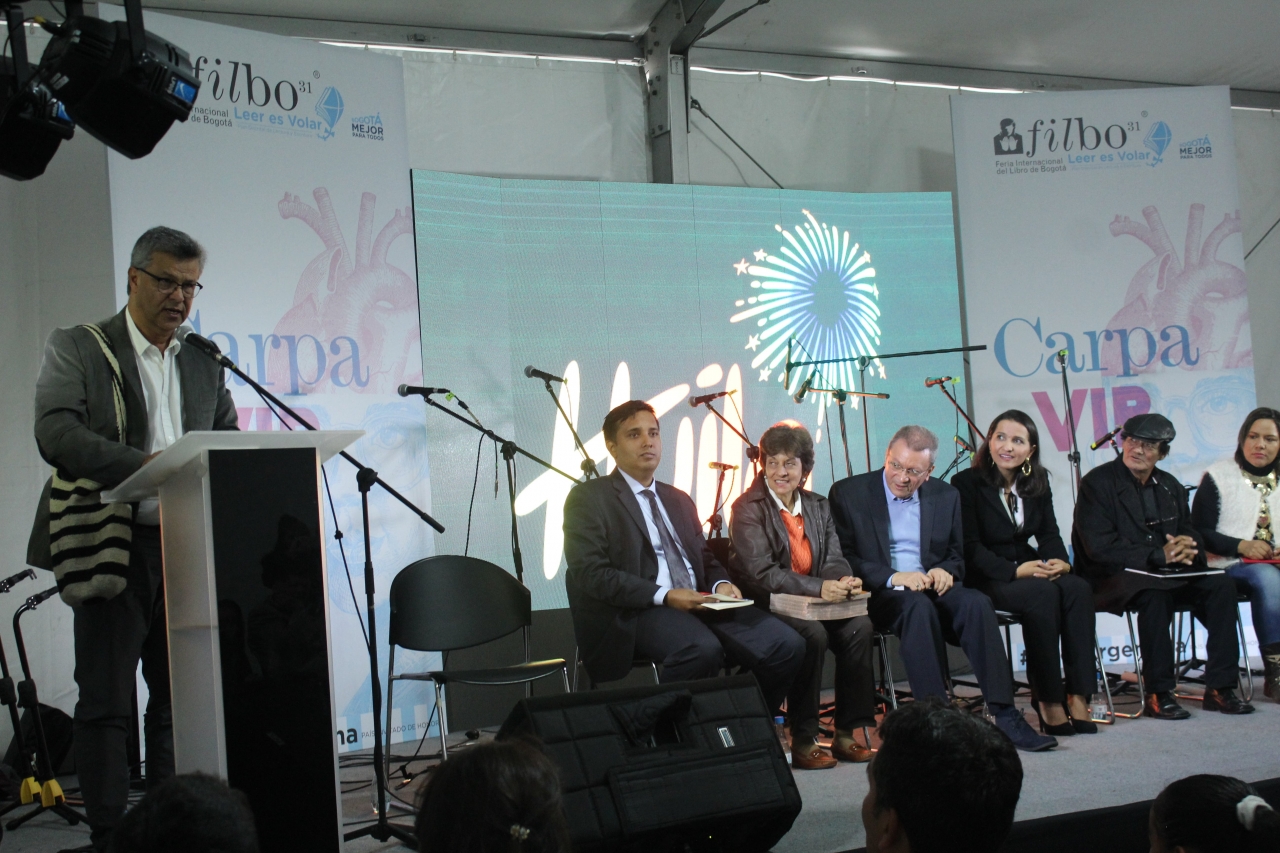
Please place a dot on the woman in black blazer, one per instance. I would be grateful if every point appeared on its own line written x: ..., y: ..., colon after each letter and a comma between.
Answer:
x: 1005, y: 500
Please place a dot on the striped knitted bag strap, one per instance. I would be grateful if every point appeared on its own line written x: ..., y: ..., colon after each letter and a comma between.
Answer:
x: 89, y: 540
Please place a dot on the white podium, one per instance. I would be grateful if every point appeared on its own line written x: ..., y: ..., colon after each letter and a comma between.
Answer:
x: 247, y: 604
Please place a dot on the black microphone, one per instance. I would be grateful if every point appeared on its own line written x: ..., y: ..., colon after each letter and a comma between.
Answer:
x: 534, y: 373
x: 804, y: 389
x: 964, y: 445
x: 207, y: 347
x: 9, y: 582
x: 406, y: 390
x: 939, y: 380
x: 1105, y: 438
x: 722, y: 466
x: 786, y: 373
x: 707, y: 398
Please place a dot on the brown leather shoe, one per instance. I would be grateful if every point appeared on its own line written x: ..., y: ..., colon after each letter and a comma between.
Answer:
x: 848, y: 749
x: 811, y: 757
x: 1226, y: 701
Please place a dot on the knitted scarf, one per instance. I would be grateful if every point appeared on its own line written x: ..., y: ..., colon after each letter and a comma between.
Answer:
x: 89, y: 540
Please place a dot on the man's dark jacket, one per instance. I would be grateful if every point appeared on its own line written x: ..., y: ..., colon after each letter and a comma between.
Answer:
x: 75, y: 420
x: 1111, y: 533
x: 760, y: 549
x: 612, y: 567
x: 861, y: 513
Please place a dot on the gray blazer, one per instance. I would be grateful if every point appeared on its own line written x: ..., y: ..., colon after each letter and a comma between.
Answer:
x: 75, y: 421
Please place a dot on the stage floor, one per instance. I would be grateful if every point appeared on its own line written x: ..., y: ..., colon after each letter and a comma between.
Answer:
x: 1124, y: 763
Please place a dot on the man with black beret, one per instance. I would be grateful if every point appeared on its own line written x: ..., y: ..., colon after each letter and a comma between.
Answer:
x: 1134, y: 542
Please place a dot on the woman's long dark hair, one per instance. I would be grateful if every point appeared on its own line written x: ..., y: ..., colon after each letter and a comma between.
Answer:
x: 1262, y: 413
x: 1199, y: 813
x: 1031, y: 485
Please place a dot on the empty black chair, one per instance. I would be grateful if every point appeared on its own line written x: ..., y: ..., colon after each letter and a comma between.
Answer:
x: 449, y: 602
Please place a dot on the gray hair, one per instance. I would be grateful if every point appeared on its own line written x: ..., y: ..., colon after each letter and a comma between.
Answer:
x: 170, y: 241
x: 917, y: 438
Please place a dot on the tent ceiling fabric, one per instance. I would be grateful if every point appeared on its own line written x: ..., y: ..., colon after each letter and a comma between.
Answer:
x: 1175, y: 42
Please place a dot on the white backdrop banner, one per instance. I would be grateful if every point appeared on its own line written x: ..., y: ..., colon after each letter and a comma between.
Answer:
x: 1106, y: 224
x: 293, y: 173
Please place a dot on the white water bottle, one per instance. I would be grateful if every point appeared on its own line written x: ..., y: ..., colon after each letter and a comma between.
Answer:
x: 780, y: 728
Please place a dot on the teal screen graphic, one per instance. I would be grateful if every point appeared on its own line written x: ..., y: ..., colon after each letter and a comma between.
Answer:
x: 661, y: 293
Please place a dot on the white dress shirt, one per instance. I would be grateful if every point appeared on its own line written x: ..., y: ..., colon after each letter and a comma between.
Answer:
x: 1015, y: 517
x: 797, y: 512
x: 664, y: 573
x: 162, y: 391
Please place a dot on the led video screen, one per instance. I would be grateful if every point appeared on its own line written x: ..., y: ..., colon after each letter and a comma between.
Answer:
x: 662, y: 293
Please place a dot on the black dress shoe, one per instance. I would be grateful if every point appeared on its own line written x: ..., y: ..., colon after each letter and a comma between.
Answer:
x: 1084, y: 727
x: 1226, y: 701
x: 1164, y: 706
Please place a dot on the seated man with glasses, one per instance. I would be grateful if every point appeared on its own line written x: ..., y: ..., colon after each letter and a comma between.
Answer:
x: 901, y: 533
x: 1133, y: 538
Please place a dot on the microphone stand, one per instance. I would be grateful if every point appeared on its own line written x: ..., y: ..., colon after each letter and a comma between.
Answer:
x: 1073, y: 457
x: 864, y: 361
x: 509, y: 451
x: 840, y: 395
x: 589, y: 468
x: 716, y: 521
x: 366, y: 477
x: 753, y: 452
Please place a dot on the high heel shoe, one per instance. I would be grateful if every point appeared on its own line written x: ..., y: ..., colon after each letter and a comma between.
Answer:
x: 1087, y: 726
x: 1060, y: 730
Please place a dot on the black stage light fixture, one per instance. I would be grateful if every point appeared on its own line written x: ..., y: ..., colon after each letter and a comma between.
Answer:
x: 123, y: 85
x: 32, y: 122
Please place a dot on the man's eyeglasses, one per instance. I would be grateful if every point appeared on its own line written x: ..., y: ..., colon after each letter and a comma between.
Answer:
x: 913, y: 473
x: 168, y: 285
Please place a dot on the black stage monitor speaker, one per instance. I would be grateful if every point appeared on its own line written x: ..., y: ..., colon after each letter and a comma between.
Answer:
x: 689, y: 765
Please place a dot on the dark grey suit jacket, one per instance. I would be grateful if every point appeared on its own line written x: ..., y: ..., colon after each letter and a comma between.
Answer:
x: 861, y: 514
x: 612, y: 567
x: 75, y: 421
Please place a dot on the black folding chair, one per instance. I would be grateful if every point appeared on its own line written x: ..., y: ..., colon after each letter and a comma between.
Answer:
x: 446, y: 603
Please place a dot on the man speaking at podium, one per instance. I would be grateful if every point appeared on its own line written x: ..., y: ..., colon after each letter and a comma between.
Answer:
x: 109, y: 398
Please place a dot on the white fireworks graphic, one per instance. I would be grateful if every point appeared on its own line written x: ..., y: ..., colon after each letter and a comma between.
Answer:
x: 820, y: 289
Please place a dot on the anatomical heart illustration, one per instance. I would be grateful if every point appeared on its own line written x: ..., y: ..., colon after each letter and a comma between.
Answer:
x: 353, y: 324
x: 1198, y: 298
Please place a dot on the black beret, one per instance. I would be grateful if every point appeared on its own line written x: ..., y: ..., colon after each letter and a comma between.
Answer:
x: 1150, y: 427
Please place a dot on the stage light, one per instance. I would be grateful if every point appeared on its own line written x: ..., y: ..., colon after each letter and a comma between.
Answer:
x: 32, y: 122
x: 123, y: 85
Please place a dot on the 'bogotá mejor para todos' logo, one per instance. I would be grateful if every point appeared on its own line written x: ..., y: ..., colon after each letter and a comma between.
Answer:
x: 818, y: 289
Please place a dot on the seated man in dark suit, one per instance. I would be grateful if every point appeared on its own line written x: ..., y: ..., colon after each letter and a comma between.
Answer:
x: 638, y: 567
x: 1133, y: 515
x: 901, y: 533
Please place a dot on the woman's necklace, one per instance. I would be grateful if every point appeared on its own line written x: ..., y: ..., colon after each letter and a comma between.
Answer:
x: 1264, y: 486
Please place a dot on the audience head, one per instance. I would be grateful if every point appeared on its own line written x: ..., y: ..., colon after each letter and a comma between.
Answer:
x: 190, y: 813
x: 943, y: 780
x: 1259, y: 439
x: 786, y: 457
x: 1146, y: 442
x: 909, y: 459
x: 632, y: 439
x: 1012, y: 449
x: 501, y: 796
x: 1212, y: 814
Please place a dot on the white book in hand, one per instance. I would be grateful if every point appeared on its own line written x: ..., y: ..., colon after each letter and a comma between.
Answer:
x: 818, y: 609
x: 717, y: 601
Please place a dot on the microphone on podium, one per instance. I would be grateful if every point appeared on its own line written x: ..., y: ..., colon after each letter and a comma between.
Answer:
x: 207, y: 347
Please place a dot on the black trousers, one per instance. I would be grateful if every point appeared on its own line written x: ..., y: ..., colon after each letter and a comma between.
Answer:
x: 1053, y: 611
x: 925, y: 621
x: 1212, y: 599
x: 690, y: 647
x: 110, y: 638
x: 850, y: 639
